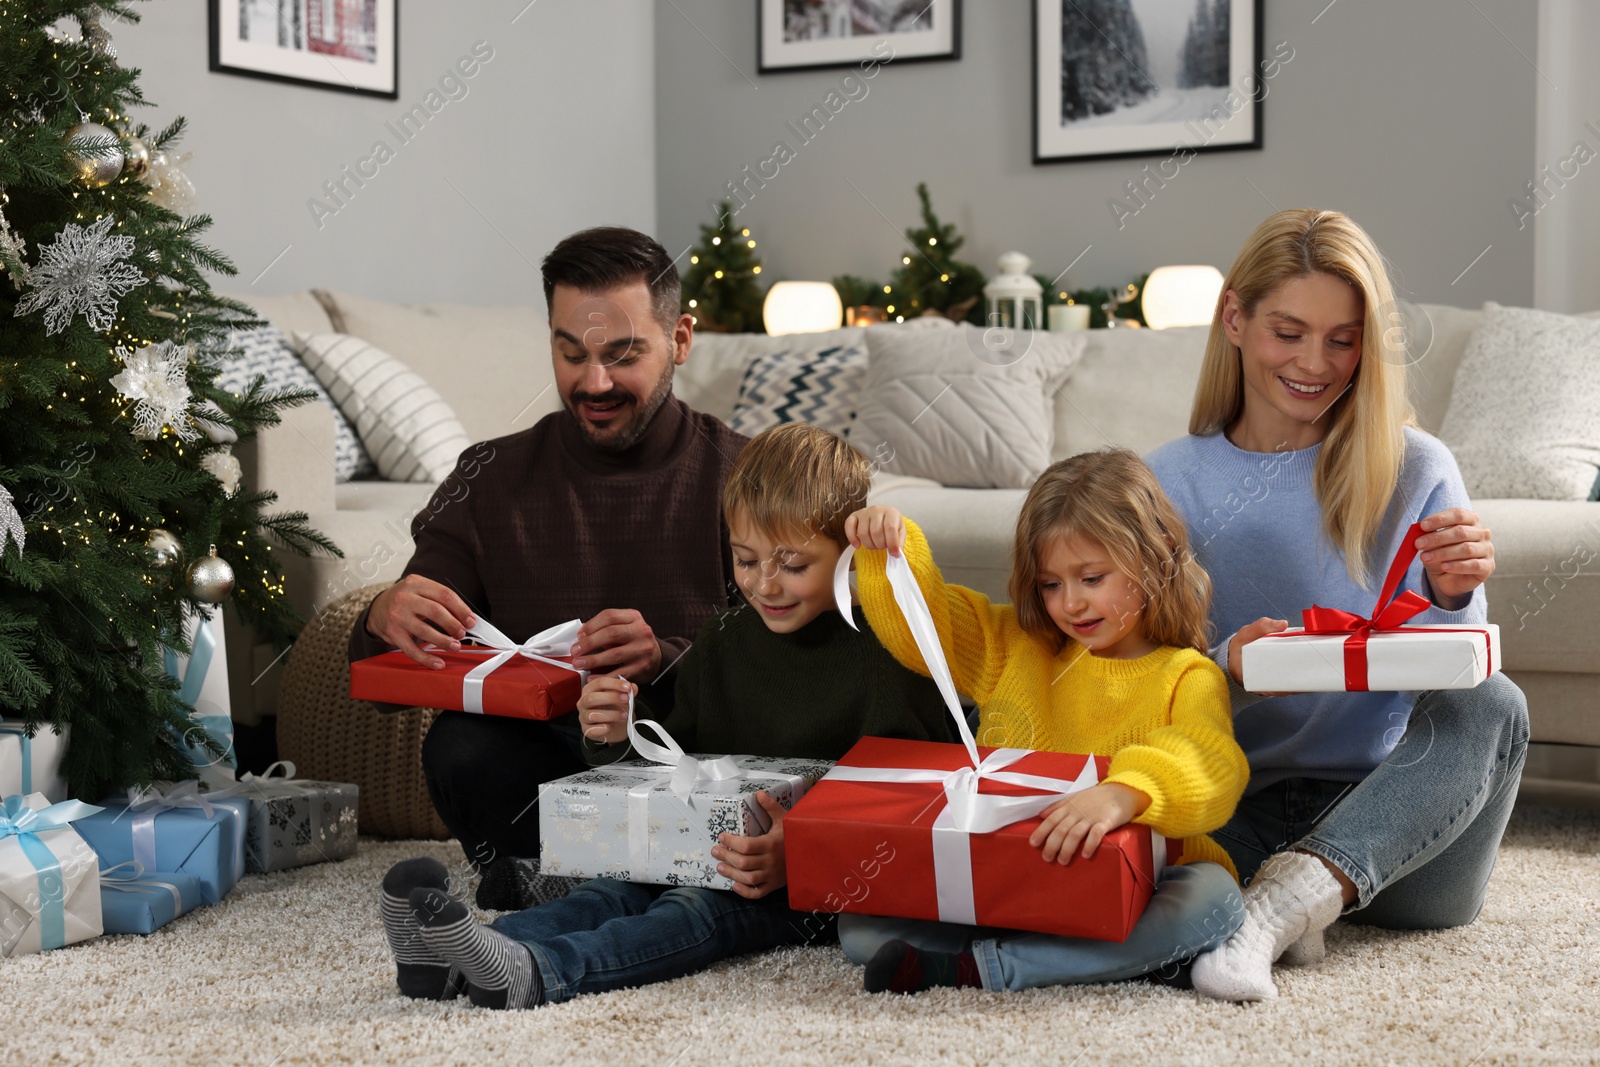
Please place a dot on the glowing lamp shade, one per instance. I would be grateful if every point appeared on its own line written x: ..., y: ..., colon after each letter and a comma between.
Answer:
x: 1181, y: 296
x: 802, y: 307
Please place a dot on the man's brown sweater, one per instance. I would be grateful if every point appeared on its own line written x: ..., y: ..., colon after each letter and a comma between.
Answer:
x: 540, y: 527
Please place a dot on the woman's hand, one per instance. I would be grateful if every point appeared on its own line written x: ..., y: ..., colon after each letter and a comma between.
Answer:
x: 1253, y: 632
x: 603, y: 708
x: 1085, y: 818
x: 879, y: 527
x: 1457, y: 555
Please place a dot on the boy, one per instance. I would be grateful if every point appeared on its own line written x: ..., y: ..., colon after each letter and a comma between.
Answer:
x: 780, y: 675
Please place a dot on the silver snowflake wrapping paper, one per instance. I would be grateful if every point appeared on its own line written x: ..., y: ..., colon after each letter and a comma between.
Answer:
x: 623, y: 820
x: 294, y: 823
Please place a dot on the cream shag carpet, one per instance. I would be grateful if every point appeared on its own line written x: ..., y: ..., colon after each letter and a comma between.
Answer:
x: 292, y: 969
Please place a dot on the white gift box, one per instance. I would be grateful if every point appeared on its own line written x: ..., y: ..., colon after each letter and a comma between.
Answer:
x: 49, y: 877
x: 32, y: 764
x: 1406, y: 659
x: 203, y: 677
x: 625, y: 820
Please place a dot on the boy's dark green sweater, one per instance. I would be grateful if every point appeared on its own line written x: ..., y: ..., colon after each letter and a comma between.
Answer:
x: 811, y: 694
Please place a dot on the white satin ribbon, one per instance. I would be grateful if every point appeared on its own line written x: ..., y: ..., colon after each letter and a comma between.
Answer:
x: 966, y: 811
x: 145, y: 804
x: 542, y: 646
x: 134, y: 881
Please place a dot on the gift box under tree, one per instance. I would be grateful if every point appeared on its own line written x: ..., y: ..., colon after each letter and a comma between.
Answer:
x: 177, y: 829
x: 32, y: 764
x: 294, y: 823
x: 49, y: 876
x: 135, y: 901
x: 203, y: 685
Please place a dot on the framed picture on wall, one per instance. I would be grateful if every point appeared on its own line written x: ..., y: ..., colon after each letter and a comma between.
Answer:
x: 812, y: 34
x: 348, y: 45
x: 1116, y: 78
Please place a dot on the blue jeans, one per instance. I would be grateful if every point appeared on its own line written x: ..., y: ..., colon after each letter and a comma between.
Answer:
x: 1194, y: 908
x: 608, y: 935
x: 1419, y: 835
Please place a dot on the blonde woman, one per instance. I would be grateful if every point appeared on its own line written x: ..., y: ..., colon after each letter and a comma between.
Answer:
x: 1301, y: 473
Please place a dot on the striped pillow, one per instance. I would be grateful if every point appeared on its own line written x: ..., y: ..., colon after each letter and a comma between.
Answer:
x: 407, y: 428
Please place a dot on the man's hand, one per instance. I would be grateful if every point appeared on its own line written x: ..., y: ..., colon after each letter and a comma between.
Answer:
x: 1457, y: 555
x: 754, y: 863
x: 1085, y: 818
x: 417, y: 610
x: 879, y: 527
x: 618, y: 641
x: 603, y: 708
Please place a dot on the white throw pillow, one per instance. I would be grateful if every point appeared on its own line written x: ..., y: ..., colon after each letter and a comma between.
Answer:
x: 406, y: 427
x: 967, y: 407
x: 1524, y: 416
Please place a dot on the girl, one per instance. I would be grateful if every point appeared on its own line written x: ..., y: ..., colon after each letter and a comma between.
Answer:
x: 1300, y: 476
x: 1103, y: 653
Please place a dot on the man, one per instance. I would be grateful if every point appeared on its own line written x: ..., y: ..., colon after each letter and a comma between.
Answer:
x: 612, y: 500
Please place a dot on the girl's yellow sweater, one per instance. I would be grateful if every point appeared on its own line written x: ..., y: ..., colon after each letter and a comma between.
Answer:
x: 1164, y: 718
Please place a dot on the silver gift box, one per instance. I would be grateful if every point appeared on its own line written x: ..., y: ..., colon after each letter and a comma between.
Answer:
x: 624, y: 820
x: 294, y: 823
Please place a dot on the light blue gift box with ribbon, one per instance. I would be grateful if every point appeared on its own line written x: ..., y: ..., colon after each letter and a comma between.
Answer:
x: 203, y: 685
x: 176, y: 829
x: 31, y: 764
x: 49, y: 878
x: 134, y: 901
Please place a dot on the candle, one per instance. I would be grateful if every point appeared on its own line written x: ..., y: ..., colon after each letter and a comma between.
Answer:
x: 1064, y: 317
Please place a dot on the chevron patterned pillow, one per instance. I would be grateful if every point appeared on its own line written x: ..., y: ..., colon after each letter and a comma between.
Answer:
x: 798, y: 384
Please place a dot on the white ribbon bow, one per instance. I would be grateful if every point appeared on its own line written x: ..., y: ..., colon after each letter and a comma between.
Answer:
x: 145, y: 804
x: 554, y: 641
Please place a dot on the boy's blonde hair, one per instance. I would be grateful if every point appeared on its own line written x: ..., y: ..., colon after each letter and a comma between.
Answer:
x: 1359, y: 465
x: 797, y: 480
x: 1112, y: 498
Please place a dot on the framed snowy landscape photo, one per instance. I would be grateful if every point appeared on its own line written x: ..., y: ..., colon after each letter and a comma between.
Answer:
x: 348, y: 45
x: 813, y: 34
x: 1115, y: 78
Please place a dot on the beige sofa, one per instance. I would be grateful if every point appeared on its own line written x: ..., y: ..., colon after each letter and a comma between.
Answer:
x: 1132, y: 387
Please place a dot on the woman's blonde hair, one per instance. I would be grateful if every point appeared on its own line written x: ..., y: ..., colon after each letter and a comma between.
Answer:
x: 1112, y: 498
x: 1359, y: 465
x: 797, y: 480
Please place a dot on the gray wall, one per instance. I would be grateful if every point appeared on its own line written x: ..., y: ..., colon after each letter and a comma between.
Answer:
x: 555, y: 133
x: 1417, y: 118
x: 1566, y: 216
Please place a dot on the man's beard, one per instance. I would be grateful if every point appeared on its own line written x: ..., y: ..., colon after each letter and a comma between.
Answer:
x: 642, y: 416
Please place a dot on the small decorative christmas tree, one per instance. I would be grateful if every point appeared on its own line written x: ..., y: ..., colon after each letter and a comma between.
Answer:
x: 930, y: 278
x: 720, y: 288
x: 115, y: 459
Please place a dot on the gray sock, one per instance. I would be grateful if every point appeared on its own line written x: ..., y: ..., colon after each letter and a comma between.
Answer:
x: 420, y: 972
x: 499, y: 971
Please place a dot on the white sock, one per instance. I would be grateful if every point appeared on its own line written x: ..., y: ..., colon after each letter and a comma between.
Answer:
x: 1292, y: 896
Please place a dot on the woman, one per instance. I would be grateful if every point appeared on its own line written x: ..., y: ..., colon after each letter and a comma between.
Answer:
x: 1301, y: 474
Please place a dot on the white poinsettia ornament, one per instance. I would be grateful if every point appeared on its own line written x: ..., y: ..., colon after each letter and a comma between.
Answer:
x: 224, y: 467
x: 10, y: 522
x: 81, y: 271
x: 154, y: 378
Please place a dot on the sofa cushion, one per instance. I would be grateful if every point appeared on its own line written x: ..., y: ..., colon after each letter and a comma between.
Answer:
x: 265, y: 352
x: 1545, y: 591
x: 800, y: 384
x: 298, y: 312
x: 491, y: 364
x: 407, y: 428
x: 966, y: 407
x: 1436, y: 338
x: 1132, y: 388
x: 710, y: 378
x: 1524, y: 416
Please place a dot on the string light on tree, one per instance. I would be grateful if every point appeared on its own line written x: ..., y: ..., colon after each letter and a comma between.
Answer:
x: 720, y: 287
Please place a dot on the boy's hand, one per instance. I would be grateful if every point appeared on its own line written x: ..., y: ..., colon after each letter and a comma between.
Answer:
x: 1085, y: 818
x: 754, y: 863
x: 603, y: 708
x: 879, y: 527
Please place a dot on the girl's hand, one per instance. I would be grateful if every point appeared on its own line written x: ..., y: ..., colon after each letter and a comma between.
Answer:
x: 603, y: 708
x: 1456, y: 554
x: 879, y: 527
x: 755, y: 863
x: 1086, y: 818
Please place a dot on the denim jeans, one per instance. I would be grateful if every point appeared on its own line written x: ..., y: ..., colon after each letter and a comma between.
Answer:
x: 1419, y: 835
x: 608, y: 935
x: 1194, y: 908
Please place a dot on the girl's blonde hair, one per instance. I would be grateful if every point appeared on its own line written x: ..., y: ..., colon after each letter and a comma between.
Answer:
x: 1112, y: 498
x: 1359, y: 465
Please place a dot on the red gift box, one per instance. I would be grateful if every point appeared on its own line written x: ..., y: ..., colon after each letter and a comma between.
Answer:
x: 882, y: 848
x: 523, y: 681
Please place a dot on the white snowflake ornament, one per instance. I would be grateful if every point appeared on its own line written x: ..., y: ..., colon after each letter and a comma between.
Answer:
x: 12, y: 248
x: 154, y: 378
x: 82, y: 271
x: 222, y: 466
x: 10, y: 522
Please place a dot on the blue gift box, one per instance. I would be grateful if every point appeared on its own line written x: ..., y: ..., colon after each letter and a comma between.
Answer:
x: 143, y: 903
x: 180, y: 830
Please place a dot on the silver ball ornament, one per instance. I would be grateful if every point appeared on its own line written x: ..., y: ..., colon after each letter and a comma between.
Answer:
x: 210, y: 578
x: 135, y: 157
x: 164, y: 549
x: 86, y: 144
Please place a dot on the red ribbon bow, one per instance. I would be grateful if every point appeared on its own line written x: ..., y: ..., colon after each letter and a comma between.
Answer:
x: 1390, y: 613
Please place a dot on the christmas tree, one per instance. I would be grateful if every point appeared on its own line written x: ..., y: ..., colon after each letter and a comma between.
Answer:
x: 720, y: 288
x: 113, y: 437
x: 930, y: 278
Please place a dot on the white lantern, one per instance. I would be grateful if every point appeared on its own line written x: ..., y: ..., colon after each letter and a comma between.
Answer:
x: 1015, y: 297
x: 802, y: 307
x: 1181, y: 296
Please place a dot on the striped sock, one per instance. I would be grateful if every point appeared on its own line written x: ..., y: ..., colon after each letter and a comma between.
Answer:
x: 499, y: 971
x: 421, y: 973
